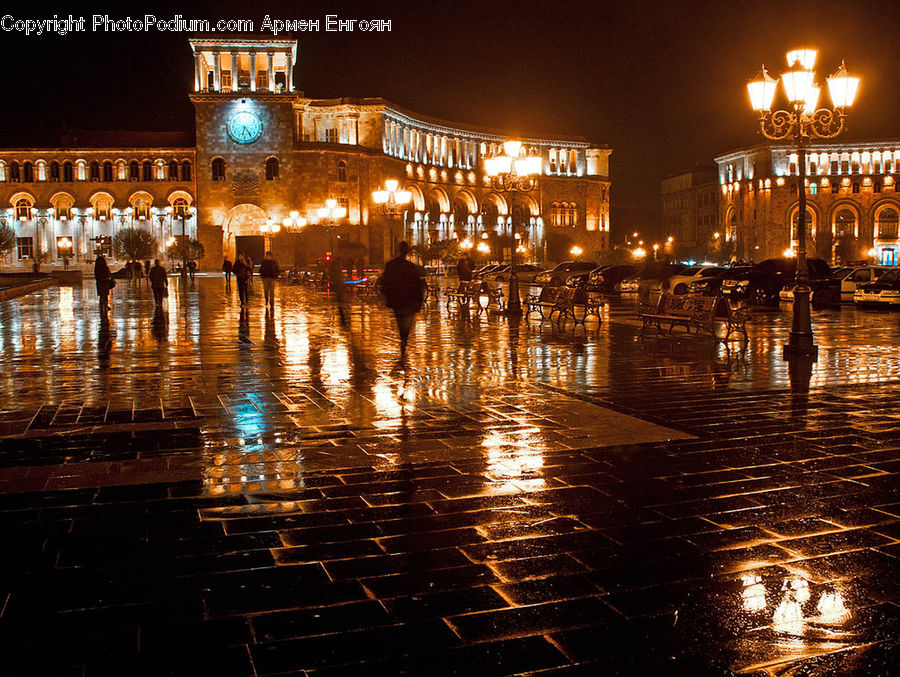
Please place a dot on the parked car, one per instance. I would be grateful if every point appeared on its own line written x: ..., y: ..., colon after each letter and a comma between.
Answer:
x: 607, y: 278
x: 526, y: 272
x: 883, y: 292
x: 581, y: 279
x: 762, y: 283
x: 681, y: 283
x: 486, y: 270
x: 712, y: 284
x: 652, y: 277
x: 856, y: 277
x: 559, y: 274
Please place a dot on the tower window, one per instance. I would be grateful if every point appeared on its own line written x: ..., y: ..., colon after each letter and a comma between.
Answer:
x: 331, y: 136
x: 218, y: 169
x: 272, y: 169
x: 342, y: 171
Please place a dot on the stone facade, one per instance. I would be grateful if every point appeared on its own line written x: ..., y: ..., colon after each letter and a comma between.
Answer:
x: 264, y: 153
x: 690, y: 209
x: 852, y: 205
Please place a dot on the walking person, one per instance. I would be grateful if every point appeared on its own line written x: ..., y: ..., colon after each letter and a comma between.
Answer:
x: 268, y: 273
x: 147, y: 270
x: 159, y: 282
x: 242, y: 276
x: 192, y: 268
x: 103, y: 278
x: 404, y: 289
x: 226, y: 268
x: 464, y: 268
x: 249, y: 263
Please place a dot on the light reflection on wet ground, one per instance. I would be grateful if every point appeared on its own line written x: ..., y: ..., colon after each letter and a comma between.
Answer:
x: 774, y: 533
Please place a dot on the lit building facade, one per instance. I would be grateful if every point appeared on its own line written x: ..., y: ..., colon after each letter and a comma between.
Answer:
x: 853, y: 210
x: 690, y: 208
x: 263, y: 153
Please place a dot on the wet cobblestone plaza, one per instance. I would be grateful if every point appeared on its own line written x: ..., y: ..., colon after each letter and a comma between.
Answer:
x: 201, y: 492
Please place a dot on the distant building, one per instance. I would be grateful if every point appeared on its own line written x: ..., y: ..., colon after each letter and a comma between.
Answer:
x: 852, y: 205
x: 690, y: 208
x: 262, y: 151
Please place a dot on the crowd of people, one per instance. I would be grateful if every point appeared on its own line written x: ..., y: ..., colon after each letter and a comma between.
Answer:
x: 402, y: 283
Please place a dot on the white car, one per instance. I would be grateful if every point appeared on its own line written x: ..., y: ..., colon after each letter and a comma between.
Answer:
x: 681, y: 283
x: 857, y: 277
x: 883, y: 292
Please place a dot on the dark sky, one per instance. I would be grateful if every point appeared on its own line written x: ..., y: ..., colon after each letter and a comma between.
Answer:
x: 662, y: 83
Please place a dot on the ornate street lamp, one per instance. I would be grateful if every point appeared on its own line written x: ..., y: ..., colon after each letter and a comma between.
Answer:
x: 803, y: 120
x: 392, y: 201
x: 268, y: 229
x: 329, y: 216
x: 293, y: 223
x: 513, y: 172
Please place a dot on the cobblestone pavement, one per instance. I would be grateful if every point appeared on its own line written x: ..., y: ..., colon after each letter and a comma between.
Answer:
x: 202, y: 491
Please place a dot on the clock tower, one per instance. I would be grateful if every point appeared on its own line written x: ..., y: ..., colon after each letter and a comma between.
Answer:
x: 244, y: 110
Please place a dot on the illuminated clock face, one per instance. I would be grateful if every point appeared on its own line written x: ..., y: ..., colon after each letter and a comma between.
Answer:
x: 244, y: 127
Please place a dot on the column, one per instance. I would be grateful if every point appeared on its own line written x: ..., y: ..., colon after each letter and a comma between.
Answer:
x: 270, y: 62
x: 197, y: 72
x: 252, y: 71
x: 289, y: 73
x: 234, y: 71
x: 217, y: 71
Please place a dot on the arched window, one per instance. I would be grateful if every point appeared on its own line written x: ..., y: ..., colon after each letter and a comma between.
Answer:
x: 844, y: 224
x: 218, y: 169
x: 68, y: 172
x: 141, y: 208
x: 186, y: 170
x: 134, y: 171
x: 173, y: 170
x: 108, y: 173
x: 102, y: 208
x: 23, y: 209
x: 795, y: 224
x: 14, y: 174
x: 27, y: 172
x: 888, y: 220
x: 147, y: 171
x: 856, y: 186
x: 272, y: 169
x: 342, y: 171
x: 95, y: 171
x: 62, y: 206
x: 180, y: 208
x: 54, y: 171
x: 876, y: 187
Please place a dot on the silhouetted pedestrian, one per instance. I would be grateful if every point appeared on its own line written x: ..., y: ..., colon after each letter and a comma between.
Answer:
x: 242, y: 276
x: 336, y: 286
x: 147, y: 270
x: 250, y: 269
x: 464, y: 268
x: 192, y: 268
x: 159, y: 282
x: 268, y: 273
x: 103, y: 278
x: 226, y: 268
x: 404, y: 289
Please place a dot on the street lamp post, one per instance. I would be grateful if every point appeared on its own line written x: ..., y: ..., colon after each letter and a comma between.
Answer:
x: 513, y: 172
x: 392, y: 201
x: 328, y: 216
x: 269, y: 228
x: 802, y: 121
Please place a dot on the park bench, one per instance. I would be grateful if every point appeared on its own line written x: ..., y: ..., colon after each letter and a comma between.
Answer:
x: 568, y: 300
x: 469, y: 293
x: 697, y: 314
x: 546, y: 300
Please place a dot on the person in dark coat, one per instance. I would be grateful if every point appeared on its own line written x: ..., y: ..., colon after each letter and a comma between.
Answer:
x: 249, y: 262
x: 147, y: 270
x: 404, y: 289
x: 242, y: 275
x: 192, y: 268
x: 268, y: 273
x: 159, y: 281
x: 464, y: 268
x: 104, y: 281
x: 226, y: 268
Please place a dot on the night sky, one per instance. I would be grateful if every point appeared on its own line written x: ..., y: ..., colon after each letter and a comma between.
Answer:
x: 662, y: 83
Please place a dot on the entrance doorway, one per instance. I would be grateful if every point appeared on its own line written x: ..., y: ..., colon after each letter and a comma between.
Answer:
x: 887, y: 256
x: 250, y: 245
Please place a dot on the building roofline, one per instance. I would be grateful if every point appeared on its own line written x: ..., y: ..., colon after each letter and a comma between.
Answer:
x: 894, y: 143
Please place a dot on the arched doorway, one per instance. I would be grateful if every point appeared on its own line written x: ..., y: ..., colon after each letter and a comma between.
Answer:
x: 887, y: 238
x: 810, y: 230
x: 844, y: 231
x: 241, y: 232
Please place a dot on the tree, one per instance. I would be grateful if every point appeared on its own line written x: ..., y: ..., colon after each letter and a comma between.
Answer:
x: 184, y: 249
x: 134, y: 244
x: 7, y: 239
